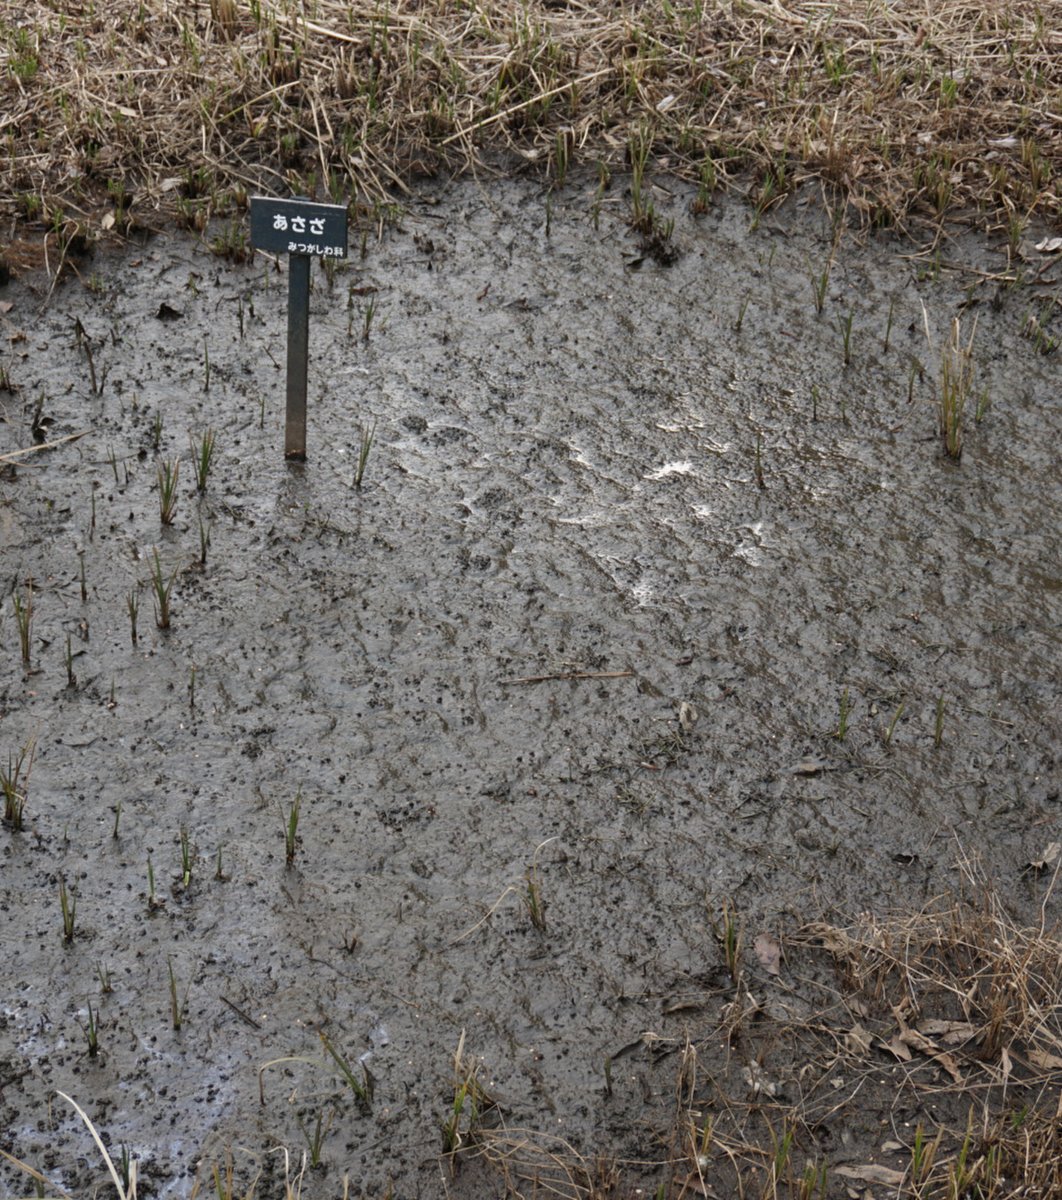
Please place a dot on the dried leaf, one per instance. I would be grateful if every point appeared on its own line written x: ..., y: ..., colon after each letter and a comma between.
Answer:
x: 1048, y: 1062
x: 897, y: 1047
x: 918, y: 1041
x: 1049, y: 245
x: 952, y: 1033
x: 6, y: 306
x: 833, y: 939
x: 809, y: 766
x: 769, y: 953
x: 858, y: 1040
x: 1048, y: 858
x: 872, y: 1173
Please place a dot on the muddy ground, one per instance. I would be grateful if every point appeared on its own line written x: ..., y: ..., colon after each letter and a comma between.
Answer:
x: 634, y: 546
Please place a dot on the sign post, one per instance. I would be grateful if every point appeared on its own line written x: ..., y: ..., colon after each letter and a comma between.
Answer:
x: 303, y: 230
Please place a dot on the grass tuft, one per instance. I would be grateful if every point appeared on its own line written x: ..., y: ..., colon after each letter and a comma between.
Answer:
x: 167, y: 473
x: 202, y: 457
x: 14, y: 783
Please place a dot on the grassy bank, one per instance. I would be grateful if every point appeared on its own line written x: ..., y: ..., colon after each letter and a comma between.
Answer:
x: 134, y: 112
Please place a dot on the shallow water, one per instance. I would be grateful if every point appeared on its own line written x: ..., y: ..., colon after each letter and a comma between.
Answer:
x: 562, y: 634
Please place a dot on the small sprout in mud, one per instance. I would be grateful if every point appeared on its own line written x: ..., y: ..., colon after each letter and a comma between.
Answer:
x: 84, y: 585
x: 178, y: 1005
x: 728, y: 931
x: 187, y: 857
x: 758, y: 461
x: 156, y: 431
x: 71, y: 678
x: 820, y: 281
x: 363, y: 1088
x: 923, y: 1155
x: 845, y: 327
x: 291, y: 829
x: 153, y: 901
x: 368, y: 436
x: 14, y: 783
x: 104, y: 976
x: 706, y: 185
x: 981, y: 408
x: 96, y: 384
x: 938, y: 723
x: 367, y: 319
x: 92, y: 515
x: 956, y: 385
x: 24, y: 621
x: 914, y: 371
x: 204, y: 541
x: 814, y: 402
x: 206, y: 365
x: 813, y: 1183
x: 892, y: 724
x: 127, y: 1172
x: 780, y: 1160
x: 888, y: 325
x: 532, y: 898
x: 844, y: 712
x: 961, y: 1174
x: 167, y: 472
x: 261, y: 412
x: 219, y: 873
x: 563, y: 144
x: 470, y: 1101
x: 315, y: 1139
x: 202, y: 457
x: 608, y: 1076
x: 132, y: 607
x: 92, y: 1032
x: 114, y: 462
x: 68, y: 908
x: 740, y: 319
x: 162, y: 588
x: 191, y: 689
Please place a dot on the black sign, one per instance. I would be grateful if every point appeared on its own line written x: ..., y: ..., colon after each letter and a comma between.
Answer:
x: 299, y: 227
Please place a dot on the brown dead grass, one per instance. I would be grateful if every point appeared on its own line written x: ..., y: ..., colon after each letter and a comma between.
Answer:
x: 115, y: 112
x: 937, y: 1051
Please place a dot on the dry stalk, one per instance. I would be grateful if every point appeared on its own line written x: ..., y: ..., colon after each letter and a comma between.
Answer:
x: 898, y: 110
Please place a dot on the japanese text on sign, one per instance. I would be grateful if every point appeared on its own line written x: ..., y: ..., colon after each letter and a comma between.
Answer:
x: 299, y: 227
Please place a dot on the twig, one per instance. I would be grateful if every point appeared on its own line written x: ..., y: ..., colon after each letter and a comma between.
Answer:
x: 11, y: 455
x: 240, y: 1013
x: 567, y: 675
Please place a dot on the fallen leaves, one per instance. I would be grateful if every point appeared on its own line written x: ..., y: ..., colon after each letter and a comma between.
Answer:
x: 872, y: 1173
x: 768, y: 952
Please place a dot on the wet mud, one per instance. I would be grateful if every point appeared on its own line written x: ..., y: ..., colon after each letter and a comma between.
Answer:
x: 650, y: 608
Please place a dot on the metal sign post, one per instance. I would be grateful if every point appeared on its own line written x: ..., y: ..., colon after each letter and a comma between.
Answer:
x: 303, y: 230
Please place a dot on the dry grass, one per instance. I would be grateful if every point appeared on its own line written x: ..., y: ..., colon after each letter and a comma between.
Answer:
x: 938, y: 1053
x: 116, y: 113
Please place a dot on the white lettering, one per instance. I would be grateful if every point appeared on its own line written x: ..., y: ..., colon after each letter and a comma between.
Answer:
x: 280, y: 222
